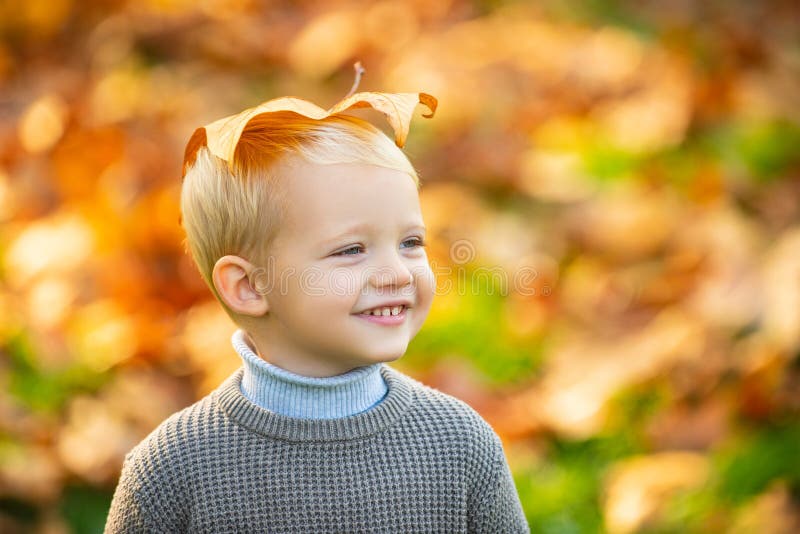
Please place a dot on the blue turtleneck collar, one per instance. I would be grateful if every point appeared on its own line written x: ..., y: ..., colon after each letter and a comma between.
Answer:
x: 294, y: 395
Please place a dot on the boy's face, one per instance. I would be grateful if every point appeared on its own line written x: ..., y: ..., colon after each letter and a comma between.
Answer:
x: 350, y: 241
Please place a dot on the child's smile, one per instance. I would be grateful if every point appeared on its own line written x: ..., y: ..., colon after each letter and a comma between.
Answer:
x: 386, y: 315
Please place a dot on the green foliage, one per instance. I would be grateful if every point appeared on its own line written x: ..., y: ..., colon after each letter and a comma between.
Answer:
x: 563, y: 494
x: 747, y: 467
x: 476, y: 332
x: 598, y: 12
x: 691, y: 512
x: 742, y: 470
x: 604, y: 162
x: 769, y: 149
x: 763, y: 150
x: 45, y: 390
x: 85, y: 509
x: 631, y: 408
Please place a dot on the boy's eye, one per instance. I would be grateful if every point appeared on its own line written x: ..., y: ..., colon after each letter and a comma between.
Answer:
x: 352, y: 251
x: 345, y: 251
x: 415, y: 242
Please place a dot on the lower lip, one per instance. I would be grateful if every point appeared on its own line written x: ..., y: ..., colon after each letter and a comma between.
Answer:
x: 388, y: 320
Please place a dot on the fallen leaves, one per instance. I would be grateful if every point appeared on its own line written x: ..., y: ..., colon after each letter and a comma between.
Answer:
x: 650, y: 186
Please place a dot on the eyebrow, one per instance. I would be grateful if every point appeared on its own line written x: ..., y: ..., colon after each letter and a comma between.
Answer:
x: 363, y: 228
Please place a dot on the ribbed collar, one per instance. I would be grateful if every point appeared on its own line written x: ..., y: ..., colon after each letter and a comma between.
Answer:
x: 287, y: 393
x: 228, y: 395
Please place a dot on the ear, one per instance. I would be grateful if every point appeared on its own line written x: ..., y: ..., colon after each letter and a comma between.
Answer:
x: 232, y: 278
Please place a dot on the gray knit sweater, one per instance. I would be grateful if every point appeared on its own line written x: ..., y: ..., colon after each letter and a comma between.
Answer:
x: 418, y: 461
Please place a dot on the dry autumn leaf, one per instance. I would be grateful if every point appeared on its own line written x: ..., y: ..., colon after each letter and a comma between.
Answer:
x: 222, y: 136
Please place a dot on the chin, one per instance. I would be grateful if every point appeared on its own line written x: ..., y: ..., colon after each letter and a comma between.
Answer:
x: 387, y: 357
x: 393, y: 358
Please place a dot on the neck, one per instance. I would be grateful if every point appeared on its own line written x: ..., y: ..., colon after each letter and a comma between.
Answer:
x: 294, y: 395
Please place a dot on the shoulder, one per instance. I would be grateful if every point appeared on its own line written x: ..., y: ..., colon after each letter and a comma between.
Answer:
x: 162, y: 456
x: 444, y: 413
x: 153, y: 486
x: 458, y: 429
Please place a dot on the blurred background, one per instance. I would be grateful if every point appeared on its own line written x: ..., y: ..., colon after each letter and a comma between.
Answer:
x: 611, y: 190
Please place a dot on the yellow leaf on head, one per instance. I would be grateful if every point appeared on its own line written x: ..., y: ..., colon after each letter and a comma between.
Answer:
x: 222, y: 136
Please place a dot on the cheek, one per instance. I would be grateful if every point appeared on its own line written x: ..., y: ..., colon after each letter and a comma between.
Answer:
x: 328, y: 290
x: 342, y: 283
x: 318, y: 284
x: 426, y: 285
x: 308, y: 291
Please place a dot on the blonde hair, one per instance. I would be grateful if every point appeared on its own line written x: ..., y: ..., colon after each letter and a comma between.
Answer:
x: 239, y: 210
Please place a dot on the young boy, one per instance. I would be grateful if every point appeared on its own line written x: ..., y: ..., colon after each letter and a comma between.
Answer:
x: 313, y: 242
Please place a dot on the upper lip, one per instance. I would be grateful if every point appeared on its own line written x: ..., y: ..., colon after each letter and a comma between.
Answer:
x: 389, y: 304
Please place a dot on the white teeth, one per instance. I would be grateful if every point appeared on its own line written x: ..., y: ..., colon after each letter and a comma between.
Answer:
x: 385, y: 311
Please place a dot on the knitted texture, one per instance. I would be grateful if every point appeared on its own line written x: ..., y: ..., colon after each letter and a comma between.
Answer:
x: 419, y: 461
x: 288, y: 393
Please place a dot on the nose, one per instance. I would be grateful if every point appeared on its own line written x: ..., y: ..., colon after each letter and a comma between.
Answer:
x: 390, y: 270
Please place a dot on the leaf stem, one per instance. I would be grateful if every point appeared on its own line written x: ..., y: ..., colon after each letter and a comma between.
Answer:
x: 359, y: 71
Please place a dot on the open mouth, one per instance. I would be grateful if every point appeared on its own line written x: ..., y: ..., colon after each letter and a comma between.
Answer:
x: 395, y: 316
x: 393, y: 311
